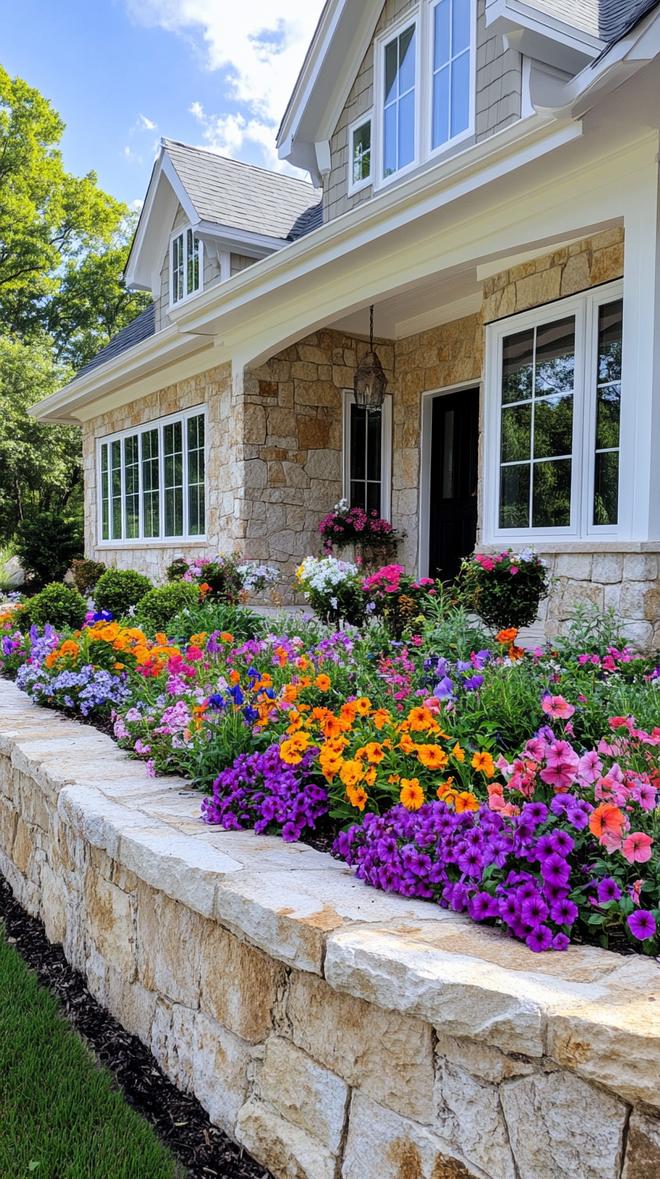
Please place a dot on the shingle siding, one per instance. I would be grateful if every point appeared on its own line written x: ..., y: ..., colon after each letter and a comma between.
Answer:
x: 498, y: 101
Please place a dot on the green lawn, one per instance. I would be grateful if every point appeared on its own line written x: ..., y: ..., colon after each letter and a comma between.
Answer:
x: 60, y: 1115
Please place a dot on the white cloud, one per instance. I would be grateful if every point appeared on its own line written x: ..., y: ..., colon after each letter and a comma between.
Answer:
x: 260, y: 50
x: 144, y: 123
x: 132, y: 157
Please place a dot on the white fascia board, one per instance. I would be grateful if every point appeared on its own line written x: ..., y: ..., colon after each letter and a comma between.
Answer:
x: 504, y: 16
x: 261, y: 244
x: 131, y: 268
x: 155, y: 352
x: 393, y: 207
x: 152, y: 234
x: 306, y: 80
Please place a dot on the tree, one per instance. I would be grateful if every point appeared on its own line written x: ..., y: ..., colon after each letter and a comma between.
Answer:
x: 63, y: 247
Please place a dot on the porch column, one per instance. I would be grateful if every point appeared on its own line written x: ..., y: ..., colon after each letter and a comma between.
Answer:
x: 640, y: 433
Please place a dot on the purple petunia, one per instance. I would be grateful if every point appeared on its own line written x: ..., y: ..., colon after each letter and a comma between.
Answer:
x: 607, y: 890
x: 642, y: 924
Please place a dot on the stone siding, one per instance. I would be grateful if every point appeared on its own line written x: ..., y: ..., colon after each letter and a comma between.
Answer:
x: 498, y: 102
x: 214, y: 389
x: 332, y: 1030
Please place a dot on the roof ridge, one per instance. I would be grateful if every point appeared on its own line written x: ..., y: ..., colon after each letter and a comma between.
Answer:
x: 240, y: 163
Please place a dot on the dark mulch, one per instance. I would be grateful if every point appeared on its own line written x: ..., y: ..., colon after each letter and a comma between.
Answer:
x: 178, y: 1119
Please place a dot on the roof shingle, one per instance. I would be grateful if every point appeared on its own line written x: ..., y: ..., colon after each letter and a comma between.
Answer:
x: 244, y: 197
x: 139, y: 329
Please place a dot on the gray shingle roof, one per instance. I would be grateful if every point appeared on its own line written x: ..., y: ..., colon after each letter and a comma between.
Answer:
x: 254, y: 200
x: 139, y: 329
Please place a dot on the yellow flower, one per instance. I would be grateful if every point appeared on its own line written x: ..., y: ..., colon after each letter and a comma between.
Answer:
x: 374, y: 752
x: 351, y: 773
x: 458, y: 752
x: 484, y: 763
x: 371, y: 775
x: 412, y: 795
x: 362, y: 706
x: 432, y: 756
x: 357, y: 797
x: 290, y: 753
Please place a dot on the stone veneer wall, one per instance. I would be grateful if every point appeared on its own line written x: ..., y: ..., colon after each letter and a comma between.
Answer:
x: 215, y: 389
x: 332, y: 1030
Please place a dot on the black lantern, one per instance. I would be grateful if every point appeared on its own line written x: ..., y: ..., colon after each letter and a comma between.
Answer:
x: 370, y: 380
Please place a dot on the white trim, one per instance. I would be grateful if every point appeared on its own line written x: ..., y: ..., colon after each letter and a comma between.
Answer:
x: 182, y: 232
x: 357, y: 186
x: 385, y: 452
x: 582, y: 307
x: 120, y: 436
x: 426, y: 438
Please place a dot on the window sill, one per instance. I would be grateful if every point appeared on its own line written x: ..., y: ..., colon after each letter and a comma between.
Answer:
x: 585, y: 545
x: 173, y: 542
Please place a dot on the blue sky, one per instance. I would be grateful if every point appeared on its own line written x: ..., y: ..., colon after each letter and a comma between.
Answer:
x: 122, y: 73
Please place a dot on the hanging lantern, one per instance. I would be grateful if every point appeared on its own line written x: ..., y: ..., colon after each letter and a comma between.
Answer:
x: 370, y: 380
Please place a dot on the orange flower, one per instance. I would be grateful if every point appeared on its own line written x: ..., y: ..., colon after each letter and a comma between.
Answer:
x: 362, y: 706
x: 465, y: 801
x: 380, y: 718
x: 351, y: 773
x: 606, y: 819
x: 371, y: 775
x: 412, y: 795
x: 357, y: 797
x: 432, y: 756
x: 458, y: 752
x: 484, y: 763
x: 374, y: 753
x: 331, y: 727
x: 322, y: 682
x: 507, y: 636
x: 204, y: 589
x: 420, y: 719
x: 406, y: 744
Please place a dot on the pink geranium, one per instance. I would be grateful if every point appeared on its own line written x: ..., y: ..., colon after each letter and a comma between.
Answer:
x: 557, y: 707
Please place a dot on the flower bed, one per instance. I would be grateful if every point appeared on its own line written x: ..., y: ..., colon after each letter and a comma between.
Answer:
x: 450, y: 765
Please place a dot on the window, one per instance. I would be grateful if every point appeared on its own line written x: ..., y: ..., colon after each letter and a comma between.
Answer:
x: 359, y: 154
x: 152, y: 481
x: 367, y: 455
x: 186, y: 265
x: 399, y: 98
x: 555, y: 376
x: 451, y: 71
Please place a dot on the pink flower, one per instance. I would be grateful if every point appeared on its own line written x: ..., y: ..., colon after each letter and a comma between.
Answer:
x: 150, y: 767
x: 513, y: 570
x: 557, y: 707
x: 589, y: 768
x: 486, y: 563
x: 637, y: 848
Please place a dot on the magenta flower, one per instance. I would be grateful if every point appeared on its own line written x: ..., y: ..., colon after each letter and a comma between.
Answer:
x: 642, y: 924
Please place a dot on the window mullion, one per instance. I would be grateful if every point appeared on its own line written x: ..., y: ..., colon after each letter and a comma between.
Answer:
x: 184, y: 476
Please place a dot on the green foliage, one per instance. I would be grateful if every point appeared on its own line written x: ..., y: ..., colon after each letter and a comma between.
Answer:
x: 62, y: 1115
x: 46, y: 545
x: 117, y: 590
x: 86, y: 573
x: 591, y: 630
x: 60, y: 605
x: 63, y: 245
x: 205, y: 618
x: 157, y: 608
x: 451, y: 631
x: 504, y: 590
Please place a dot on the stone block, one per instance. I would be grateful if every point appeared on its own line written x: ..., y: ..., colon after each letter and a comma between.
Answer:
x: 469, y: 1118
x: 383, y: 1145
x: 562, y: 1127
x: 169, y: 942
x: 111, y: 923
x: 640, y: 567
x: 574, y: 565
x: 385, y: 1054
x: 220, y: 1065
x: 642, y: 1159
x: 303, y: 1092
x: 607, y: 568
x: 287, y: 1151
x: 488, y: 1064
x: 172, y: 1042
x: 255, y: 424
x: 239, y: 985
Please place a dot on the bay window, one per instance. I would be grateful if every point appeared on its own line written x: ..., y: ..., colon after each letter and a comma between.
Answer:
x: 186, y: 265
x: 152, y: 481
x: 554, y: 398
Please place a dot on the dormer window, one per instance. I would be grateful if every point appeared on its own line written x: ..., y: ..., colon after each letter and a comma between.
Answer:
x: 186, y: 265
x: 425, y: 86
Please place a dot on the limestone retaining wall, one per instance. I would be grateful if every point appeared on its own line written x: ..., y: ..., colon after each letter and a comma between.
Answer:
x: 336, y: 1032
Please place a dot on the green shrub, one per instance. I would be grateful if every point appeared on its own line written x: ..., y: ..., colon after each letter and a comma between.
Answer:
x: 60, y: 605
x: 157, y: 608
x: 206, y: 618
x: 86, y: 573
x: 117, y: 590
x: 46, y: 545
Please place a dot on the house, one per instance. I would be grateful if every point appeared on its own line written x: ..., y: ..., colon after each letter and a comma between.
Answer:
x: 485, y: 175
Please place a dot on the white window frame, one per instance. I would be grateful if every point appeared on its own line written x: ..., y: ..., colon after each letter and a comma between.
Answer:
x: 450, y: 143
x: 414, y: 17
x: 182, y: 231
x: 584, y: 307
x: 357, y: 185
x: 385, y: 452
x: 422, y: 16
x: 146, y: 427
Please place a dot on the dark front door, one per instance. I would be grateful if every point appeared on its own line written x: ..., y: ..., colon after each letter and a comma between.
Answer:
x: 454, y: 459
